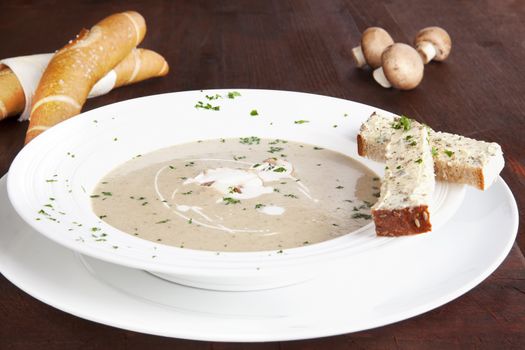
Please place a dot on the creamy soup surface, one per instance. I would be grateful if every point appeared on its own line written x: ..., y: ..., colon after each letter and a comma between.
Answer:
x: 245, y: 194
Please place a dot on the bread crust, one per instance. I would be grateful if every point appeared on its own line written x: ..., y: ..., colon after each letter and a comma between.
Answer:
x: 402, y: 222
x: 361, y: 145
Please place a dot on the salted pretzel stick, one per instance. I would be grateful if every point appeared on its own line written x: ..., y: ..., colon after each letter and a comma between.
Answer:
x: 12, y: 99
x: 140, y: 64
x: 76, y: 67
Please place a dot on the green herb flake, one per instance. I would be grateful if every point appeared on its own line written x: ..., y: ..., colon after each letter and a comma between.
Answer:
x: 233, y: 94
x: 249, y: 140
x: 230, y: 200
x: 172, y: 167
x: 259, y: 206
x: 434, y: 152
x: 318, y: 148
x: 361, y: 216
x: 214, y: 97
x: 190, y: 221
x: 419, y: 161
x: 291, y: 195
x: 254, y: 112
x: 448, y: 153
x: 186, y: 193
x: 107, y: 193
x: 280, y: 170
x: 302, y: 121
x: 162, y: 221
x: 51, y: 180
x: 339, y: 187
x: 402, y: 123
x: 189, y: 164
x: 274, y: 149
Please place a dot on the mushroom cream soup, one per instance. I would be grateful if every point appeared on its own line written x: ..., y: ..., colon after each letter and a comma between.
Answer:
x: 245, y: 194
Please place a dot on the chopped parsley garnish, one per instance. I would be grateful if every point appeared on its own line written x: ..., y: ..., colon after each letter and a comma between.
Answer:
x: 402, y: 123
x: 107, y: 193
x: 52, y: 180
x: 448, y: 153
x: 398, y: 167
x: 280, y: 170
x: 239, y: 157
x: 334, y: 126
x: 145, y: 203
x: 413, y: 143
x: 190, y: 221
x: 339, y: 187
x: 230, y: 200
x: 186, y: 193
x: 95, y: 229
x: 317, y: 148
x: 274, y: 149
x: 291, y: 195
x: 256, y: 165
x: 250, y: 140
x: 419, y: 161
x: 189, y: 164
x: 172, y: 167
x: 233, y: 94
x: 215, y: 97
x: 208, y: 106
x: 302, y: 121
x: 42, y: 212
x: 280, y: 251
x: 259, y: 206
x: 115, y: 139
x: 361, y: 216
x: 163, y: 221
x: 434, y: 151
x: 276, y: 190
x: 408, y: 137
x: 254, y: 112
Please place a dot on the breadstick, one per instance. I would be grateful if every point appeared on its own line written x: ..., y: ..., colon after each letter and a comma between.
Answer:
x: 12, y: 99
x: 76, y: 67
x: 140, y: 64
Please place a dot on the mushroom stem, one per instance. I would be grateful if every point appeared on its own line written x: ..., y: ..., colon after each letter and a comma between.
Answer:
x: 359, y: 57
x: 427, y: 51
x: 379, y: 76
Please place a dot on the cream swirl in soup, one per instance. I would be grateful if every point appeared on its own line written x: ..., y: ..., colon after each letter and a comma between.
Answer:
x: 247, y: 194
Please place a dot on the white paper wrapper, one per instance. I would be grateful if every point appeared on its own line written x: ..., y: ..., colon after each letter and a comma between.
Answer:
x: 29, y: 69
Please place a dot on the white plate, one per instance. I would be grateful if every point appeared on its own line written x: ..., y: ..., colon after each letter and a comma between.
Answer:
x: 367, y: 292
x: 67, y: 161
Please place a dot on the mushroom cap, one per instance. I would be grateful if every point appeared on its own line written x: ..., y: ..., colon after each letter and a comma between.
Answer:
x: 402, y: 66
x: 373, y: 42
x: 439, y: 38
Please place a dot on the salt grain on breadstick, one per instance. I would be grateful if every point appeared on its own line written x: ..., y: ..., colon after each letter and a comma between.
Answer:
x: 76, y: 67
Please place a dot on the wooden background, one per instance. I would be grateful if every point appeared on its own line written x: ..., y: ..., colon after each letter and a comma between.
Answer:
x: 305, y: 46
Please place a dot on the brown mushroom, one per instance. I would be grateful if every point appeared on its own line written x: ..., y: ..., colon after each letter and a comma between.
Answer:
x: 401, y: 67
x: 373, y: 42
x: 433, y: 43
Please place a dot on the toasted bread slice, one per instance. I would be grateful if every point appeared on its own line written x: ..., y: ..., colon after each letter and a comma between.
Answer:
x: 457, y: 158
x: 408, y: 185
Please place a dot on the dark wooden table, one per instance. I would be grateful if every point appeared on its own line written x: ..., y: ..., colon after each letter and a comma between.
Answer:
x: 305, y: 46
